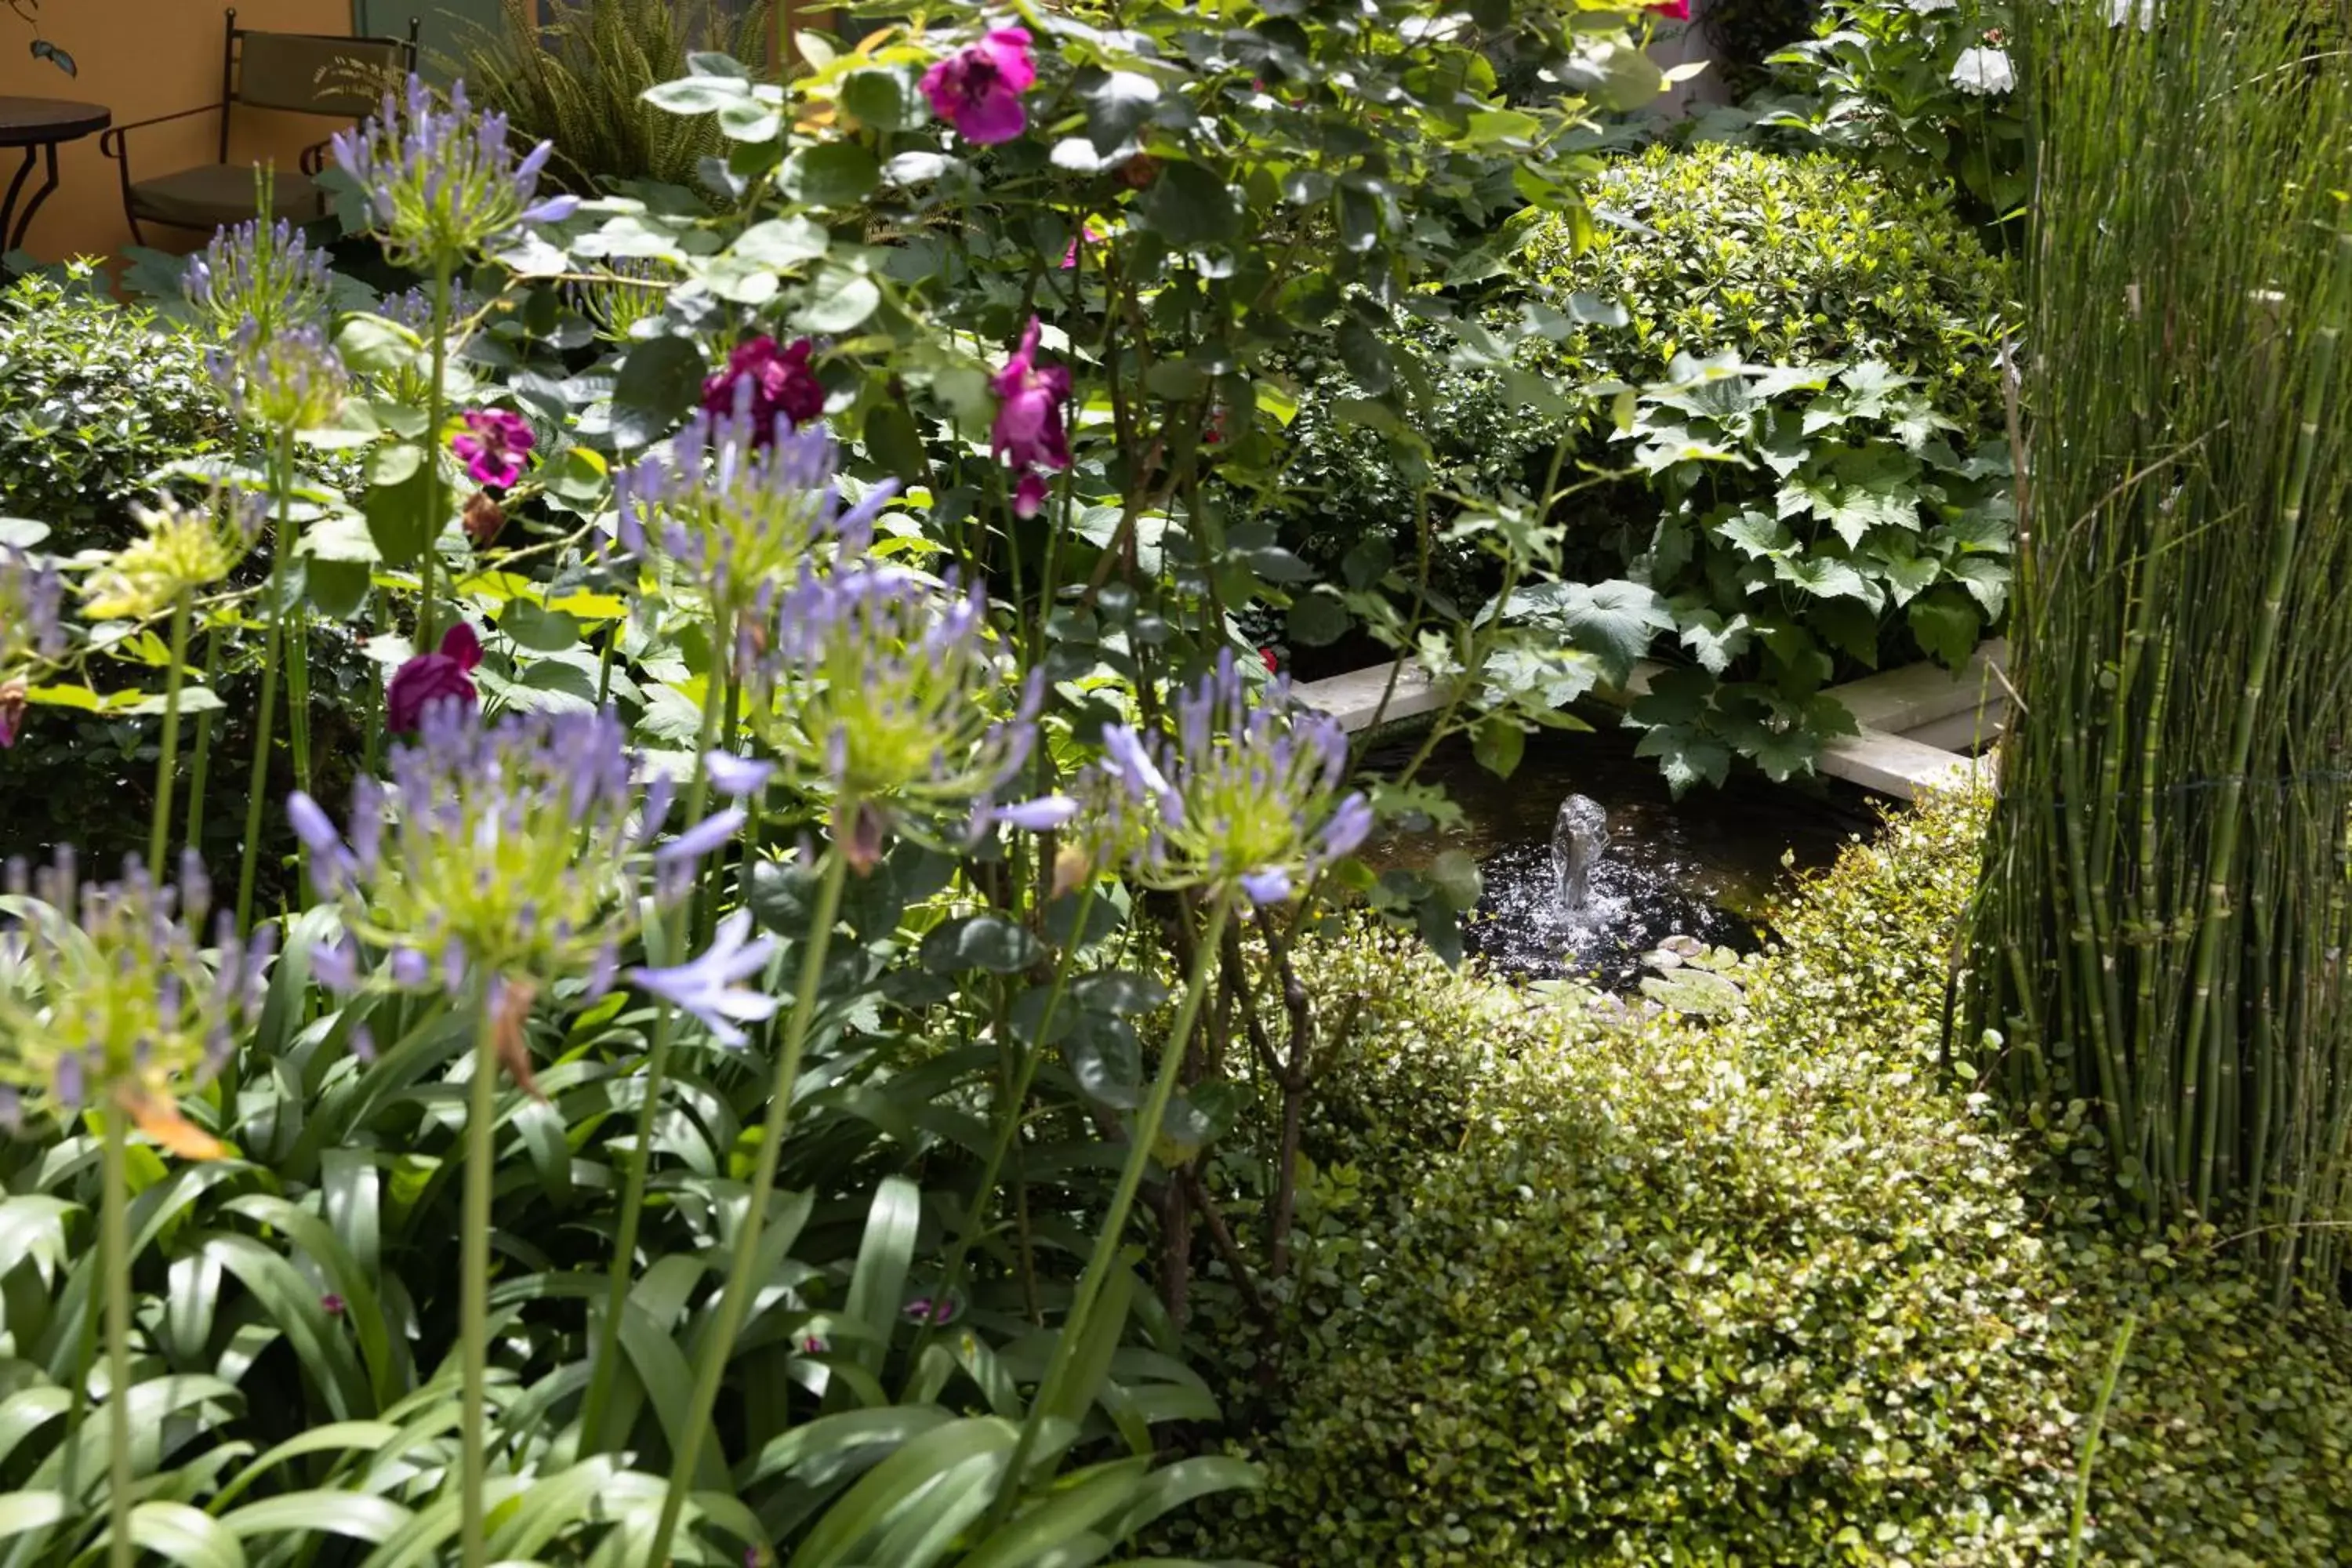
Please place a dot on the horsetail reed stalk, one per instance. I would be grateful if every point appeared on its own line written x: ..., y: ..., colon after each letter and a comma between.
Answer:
x: 2165, y: 917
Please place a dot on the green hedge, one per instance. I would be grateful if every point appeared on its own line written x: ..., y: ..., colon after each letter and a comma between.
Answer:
x: 1785, y: 261
x: 1760, y: 1292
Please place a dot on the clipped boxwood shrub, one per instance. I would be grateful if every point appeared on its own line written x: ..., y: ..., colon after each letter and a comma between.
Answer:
x: 1760, y: 1292
x: 94, y: 396
x: 1785, y: 260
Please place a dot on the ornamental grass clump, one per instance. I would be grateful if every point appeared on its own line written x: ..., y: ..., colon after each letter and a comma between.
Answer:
x: 2165, y: 916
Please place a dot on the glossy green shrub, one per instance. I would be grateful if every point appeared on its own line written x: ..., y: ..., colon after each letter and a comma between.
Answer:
x: 94, y: 398
x: 1785, y: 260
x: 1762, y: 1292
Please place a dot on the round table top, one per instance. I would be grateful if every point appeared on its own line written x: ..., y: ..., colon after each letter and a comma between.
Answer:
x: 32, y: 121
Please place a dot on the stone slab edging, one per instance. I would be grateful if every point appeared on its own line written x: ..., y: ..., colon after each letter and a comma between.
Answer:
x: 1912, y: 720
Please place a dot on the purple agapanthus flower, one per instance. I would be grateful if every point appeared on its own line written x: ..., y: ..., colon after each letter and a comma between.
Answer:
x: 892, y: 689
x: 287, y: 377
x: 442, y: 182
x: 269, y: 273
x: 1246, y: 795
x: 494, y: 446
x: 518, y: 851
x: 742, y: 508
x: 978, y: 89
x: 710, y: 987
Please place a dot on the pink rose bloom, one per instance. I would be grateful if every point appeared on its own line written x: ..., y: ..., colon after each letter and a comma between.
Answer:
x: 430, y: 678
x: 1087, y: 235
x: 493, y: 446
x: 1030, y: 398
x: 978, y: 89
x: 765, y: 379
x: 1672, y: 10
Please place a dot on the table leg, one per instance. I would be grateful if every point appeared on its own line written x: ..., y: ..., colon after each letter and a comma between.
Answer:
x: 24, y: 220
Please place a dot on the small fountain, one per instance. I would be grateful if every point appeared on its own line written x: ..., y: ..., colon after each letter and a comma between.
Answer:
x: 1579, y: 834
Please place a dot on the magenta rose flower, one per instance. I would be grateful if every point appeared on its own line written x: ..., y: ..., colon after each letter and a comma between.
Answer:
x: 430, y: 678
x: 978, y: 89
x: 765, y: 379
x: 1028, y: 434
x: 493, y: 446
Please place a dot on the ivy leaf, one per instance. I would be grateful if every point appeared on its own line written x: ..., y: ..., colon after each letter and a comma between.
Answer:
x: 1986, y: 580
x: 1823, y: 576
x: 1714, y: 641
x: 1499, y: 745
x: 1687, y: 757
x: 1615, y: 620
x: 1756, y: 536
x: 1946, y: 624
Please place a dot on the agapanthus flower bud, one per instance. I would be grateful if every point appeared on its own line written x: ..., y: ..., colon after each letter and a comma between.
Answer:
x: 180, y: 549
x: 494, y: 446
x: 767, y: 382
x: 519, y: 850
x: 630, y: 289
x: 442, y: 184
x: 287, y: 379
x: 741, y: 509
x: 30, y: 590
x: 889, y: 690
x: 978, y: 89
x: 266, y: 273
x: 108, y: 995
x: 431, y: 679
x: 1244, y: 797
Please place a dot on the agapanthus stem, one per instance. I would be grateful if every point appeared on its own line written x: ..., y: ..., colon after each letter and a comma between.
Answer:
x: 114, y: 1267
x: 200, y: 770
x: 167, y: 757
x: 1109, y: 1241
x: 297, y: 646
x: 718, y: 1344
x: 481, y: 1148
x: 434, y: 410
x: 256, y: 781
x: 1008, y: 1123
x: 623, y: 1269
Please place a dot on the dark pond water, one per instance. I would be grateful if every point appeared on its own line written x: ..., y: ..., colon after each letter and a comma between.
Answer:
x: 1709, y: 866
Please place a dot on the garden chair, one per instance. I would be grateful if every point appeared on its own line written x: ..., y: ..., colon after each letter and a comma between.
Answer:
x: 307, y: 73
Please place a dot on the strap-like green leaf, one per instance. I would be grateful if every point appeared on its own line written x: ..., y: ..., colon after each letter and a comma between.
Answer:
x: 326, y: 1510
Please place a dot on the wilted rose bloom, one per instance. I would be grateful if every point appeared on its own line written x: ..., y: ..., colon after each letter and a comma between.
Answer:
x: 764, y: 380
x: 1029, y: 433
x: 978, y: 89
x: 432, y: 677
x: 13, y: 699
x: 493, y: 446
x: 482, y: 518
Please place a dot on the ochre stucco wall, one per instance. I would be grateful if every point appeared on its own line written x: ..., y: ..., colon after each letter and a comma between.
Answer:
x: 142, y: 57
